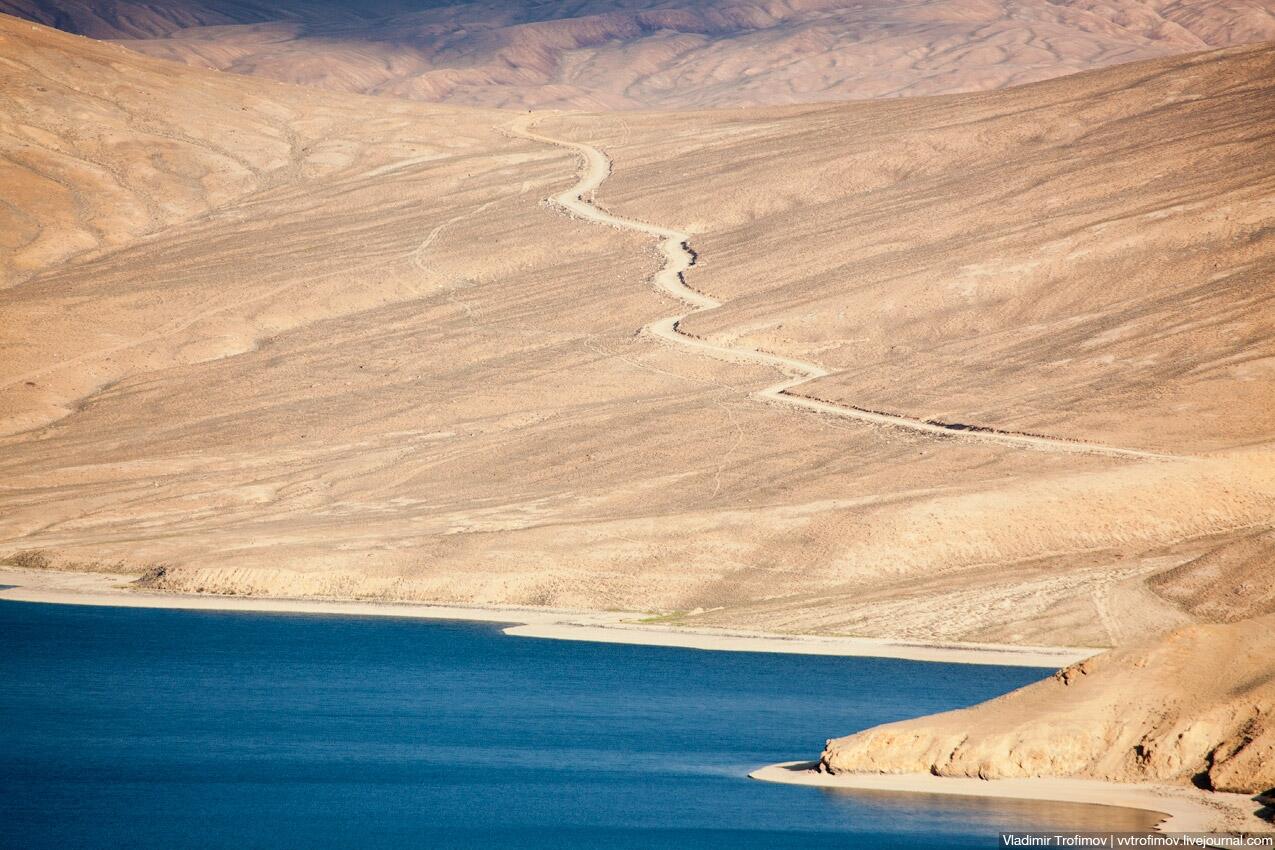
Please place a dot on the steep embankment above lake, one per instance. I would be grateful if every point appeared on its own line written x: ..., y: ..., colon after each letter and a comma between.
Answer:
x: 1196, y: 705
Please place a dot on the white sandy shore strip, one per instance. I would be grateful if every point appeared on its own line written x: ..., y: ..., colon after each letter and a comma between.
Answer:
x: 1183, y: 809
x: 70, y: 588
x: 738, y: 641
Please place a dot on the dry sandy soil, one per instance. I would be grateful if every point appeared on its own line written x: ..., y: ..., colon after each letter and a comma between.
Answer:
x: 606, y: 54
x: 300, y: 378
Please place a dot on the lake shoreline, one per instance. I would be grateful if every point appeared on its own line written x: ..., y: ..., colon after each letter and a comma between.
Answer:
x: 234, y: 729
x: 82, y: 588
x: 1180, y: 808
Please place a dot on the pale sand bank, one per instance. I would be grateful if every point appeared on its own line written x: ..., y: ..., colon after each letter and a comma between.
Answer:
x: 1184, y: 809
x: 70, y: 588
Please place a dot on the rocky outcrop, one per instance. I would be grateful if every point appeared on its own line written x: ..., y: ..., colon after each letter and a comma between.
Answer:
x: 1195, y: 706
x: 1247, y: 762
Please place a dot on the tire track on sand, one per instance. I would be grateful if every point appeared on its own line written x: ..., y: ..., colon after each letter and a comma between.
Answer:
x: 675, y: 248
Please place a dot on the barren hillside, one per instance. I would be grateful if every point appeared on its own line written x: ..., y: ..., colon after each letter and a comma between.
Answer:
x: 101, y: 148
x: 1089, y: 257
x: 658, y: 53
x: 314, y: 384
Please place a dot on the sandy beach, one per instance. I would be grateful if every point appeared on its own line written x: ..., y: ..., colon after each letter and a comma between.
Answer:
x: 75, y: 588
x: 1184, y: 809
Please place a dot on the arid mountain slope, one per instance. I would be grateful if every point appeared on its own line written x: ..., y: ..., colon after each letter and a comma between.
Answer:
x: 659, y: 53
x: 100, y: 147
x: 1089, y: 257
x: 318, y: 385
x: 101, y: 150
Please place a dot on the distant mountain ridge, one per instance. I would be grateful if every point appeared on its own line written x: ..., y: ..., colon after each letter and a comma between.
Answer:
x: 613, y: 54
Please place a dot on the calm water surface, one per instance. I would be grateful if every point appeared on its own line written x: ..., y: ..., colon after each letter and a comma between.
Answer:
x: 149, y: 728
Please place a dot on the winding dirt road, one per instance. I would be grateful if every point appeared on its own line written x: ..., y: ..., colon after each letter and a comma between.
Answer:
x: 674, y: 245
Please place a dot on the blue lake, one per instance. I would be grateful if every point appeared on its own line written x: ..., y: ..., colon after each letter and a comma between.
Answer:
x: 147, y: 728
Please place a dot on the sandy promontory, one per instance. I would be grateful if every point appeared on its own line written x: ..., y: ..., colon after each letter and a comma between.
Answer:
x: 1195, y: 706
x: 1191, y: 709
